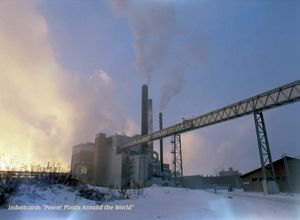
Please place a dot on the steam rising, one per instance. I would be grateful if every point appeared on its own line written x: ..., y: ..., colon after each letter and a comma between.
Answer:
x: 161, y: 47
x: 171, y: 89
x: 153, y: 26
x: 45, y: 110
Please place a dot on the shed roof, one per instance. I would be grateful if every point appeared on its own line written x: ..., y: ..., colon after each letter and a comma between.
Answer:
x: 274, y: 162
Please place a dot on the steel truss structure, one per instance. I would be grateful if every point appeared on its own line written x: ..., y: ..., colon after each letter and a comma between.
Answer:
x: 177, y: 160
x: 282, y: 95
x: 268, y: 172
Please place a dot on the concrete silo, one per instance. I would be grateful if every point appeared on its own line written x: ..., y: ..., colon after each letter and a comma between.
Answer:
x: 100, y: 159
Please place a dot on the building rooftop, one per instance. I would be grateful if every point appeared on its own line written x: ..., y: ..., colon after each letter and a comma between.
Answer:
x: 274, y: 162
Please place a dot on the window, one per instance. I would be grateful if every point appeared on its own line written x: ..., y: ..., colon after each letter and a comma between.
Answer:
x: 83, y: 169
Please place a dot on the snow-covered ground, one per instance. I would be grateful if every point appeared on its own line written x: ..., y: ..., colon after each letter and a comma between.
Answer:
x: 156, y: 203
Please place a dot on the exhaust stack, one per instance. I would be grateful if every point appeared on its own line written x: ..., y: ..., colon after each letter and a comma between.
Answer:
x: 144, y: 119
x: 150, y: 122
x: 161, y: 150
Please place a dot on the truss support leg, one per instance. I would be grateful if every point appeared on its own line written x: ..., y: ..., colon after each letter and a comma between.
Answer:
x: 177, y: 160
x: 268, y: 172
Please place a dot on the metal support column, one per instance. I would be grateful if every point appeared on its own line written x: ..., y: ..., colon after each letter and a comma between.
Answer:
x: 264, y: 152
x: 287, y: 172
x: 177, y: 160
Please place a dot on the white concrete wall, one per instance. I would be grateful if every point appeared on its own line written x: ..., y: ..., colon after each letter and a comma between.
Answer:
x: 114, y: 162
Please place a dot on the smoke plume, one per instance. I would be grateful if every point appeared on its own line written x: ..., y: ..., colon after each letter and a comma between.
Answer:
x: 161, y: 46
x: 171, y: 88
x: 152, y: 25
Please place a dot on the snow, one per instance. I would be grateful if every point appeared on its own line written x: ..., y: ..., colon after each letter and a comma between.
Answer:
x: 47, y: 195
x: 293, y: 198
x: 163, y: 203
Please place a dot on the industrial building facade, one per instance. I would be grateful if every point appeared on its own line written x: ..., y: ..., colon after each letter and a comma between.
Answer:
x: 287, y: 170
x: 228, y: 178
x: 107, y: 163
x: 101, y: 163
x: 82, y: 162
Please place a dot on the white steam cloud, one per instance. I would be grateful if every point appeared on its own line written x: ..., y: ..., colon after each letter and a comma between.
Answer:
x: 152, y: 25
x: 161, y: 47
x: 43, y: 109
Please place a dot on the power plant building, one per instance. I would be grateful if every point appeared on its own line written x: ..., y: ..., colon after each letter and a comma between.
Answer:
x: 98, y: 163
x: 228, y: 178
x: 107, y: 163
x: 101, y: 163
x: 82, y: 162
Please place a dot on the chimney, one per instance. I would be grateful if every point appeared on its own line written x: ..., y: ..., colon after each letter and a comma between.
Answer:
x: 150, y: 122
x: 144, y: 119
x: 161, y: 143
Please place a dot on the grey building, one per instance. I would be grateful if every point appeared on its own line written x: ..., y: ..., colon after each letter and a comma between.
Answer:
x: 229, y: 172
x: 108, y: 165
x: 82, y: 162
x: 230, y: 178
x: 287, y: 170
x: 99, y: 164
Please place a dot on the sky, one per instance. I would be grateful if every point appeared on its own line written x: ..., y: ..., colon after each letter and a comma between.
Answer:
x: 72, y: 68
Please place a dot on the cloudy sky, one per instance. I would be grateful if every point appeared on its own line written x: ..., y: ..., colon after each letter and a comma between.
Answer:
x: 72, y: 68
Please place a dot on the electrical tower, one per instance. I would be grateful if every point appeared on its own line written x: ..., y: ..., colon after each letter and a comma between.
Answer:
x: 177, y: 159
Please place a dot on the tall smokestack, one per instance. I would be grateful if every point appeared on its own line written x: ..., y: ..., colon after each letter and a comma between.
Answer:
x: 144, y: 125
x: 161, y: 153
x: 144, y: 119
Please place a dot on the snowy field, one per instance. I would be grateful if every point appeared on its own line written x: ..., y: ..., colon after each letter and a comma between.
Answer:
x: 156, y: 203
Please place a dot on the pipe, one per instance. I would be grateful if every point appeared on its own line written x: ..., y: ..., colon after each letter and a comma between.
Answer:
x: 154, y: 153
x: 161, y: 143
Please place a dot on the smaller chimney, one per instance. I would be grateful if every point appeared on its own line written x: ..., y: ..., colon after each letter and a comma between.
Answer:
x: 161, y: 150
x: 150, y: 122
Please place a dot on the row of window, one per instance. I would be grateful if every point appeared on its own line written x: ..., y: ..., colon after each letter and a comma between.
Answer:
x: 283, y: 178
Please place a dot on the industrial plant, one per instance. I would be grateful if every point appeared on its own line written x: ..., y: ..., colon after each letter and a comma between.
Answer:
x: 101, y: 163
x: 123, y: 161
